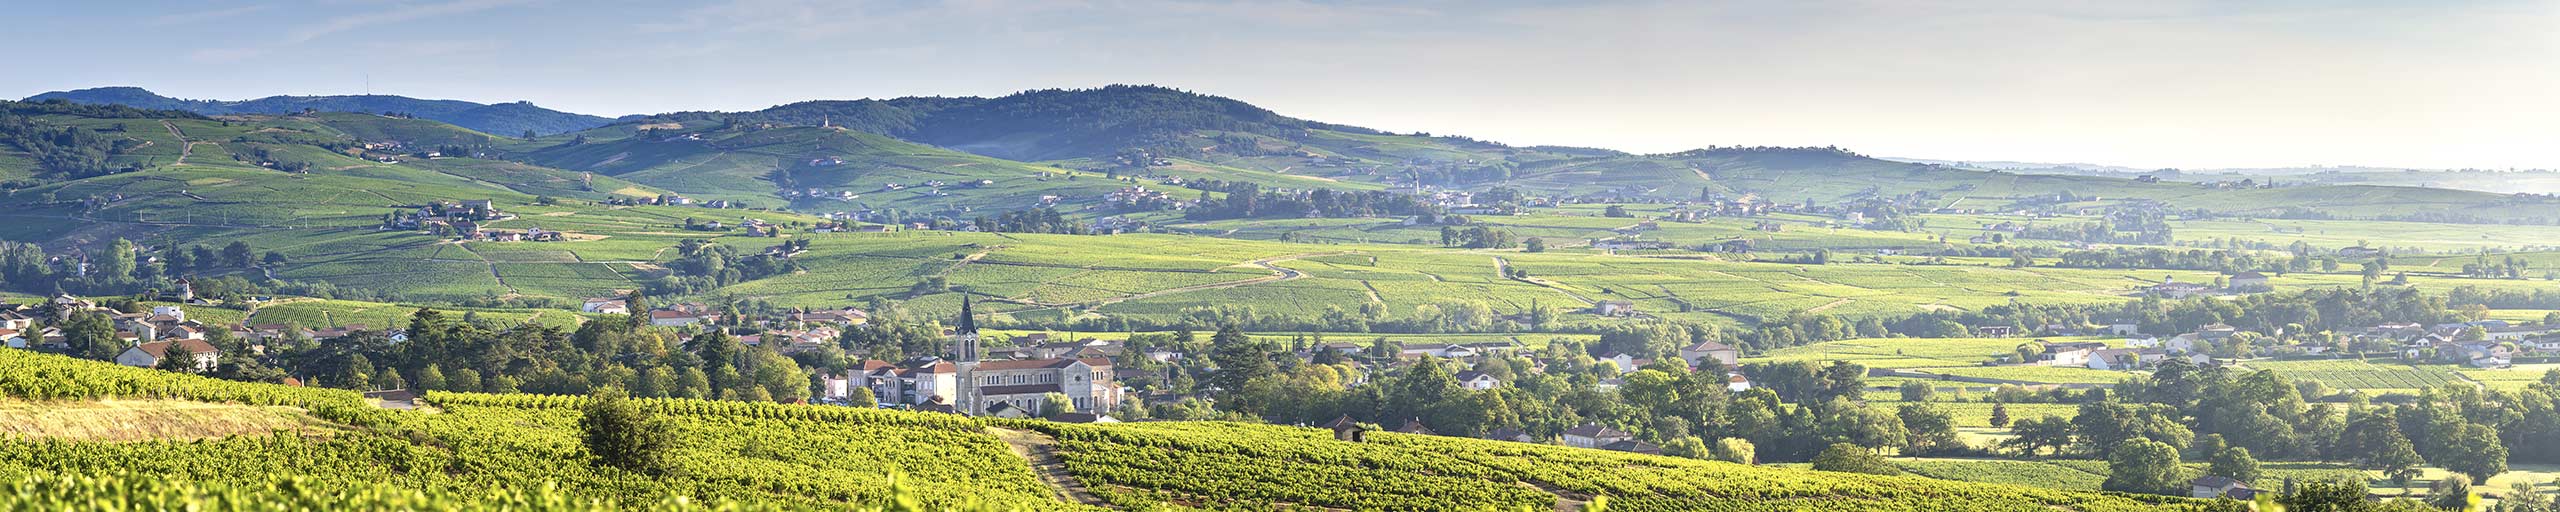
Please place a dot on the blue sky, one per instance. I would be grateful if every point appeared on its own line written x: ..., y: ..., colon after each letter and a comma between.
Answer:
x: 2186, y: 83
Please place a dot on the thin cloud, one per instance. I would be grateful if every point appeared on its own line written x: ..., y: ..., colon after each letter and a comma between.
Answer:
x: 167, y: 20
x: 408, y: 13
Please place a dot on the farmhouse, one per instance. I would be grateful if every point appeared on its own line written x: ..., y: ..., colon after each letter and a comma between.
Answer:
x: 2177, y: 290
x: 2249, y: 281
x: 1613, y: 308
x: 609, y: 306
x: 2125, y: 358
x: 1346, y: 430
x: 1593, y: 435
x: 2210, y: 487
x: 1624, y: 362
x: 148, y: 355
x: 1623, y: 244
x: 1478, y: 381
x: 1725, y: 355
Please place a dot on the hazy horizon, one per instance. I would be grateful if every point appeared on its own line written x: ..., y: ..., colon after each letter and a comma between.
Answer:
x: 2168, y: 84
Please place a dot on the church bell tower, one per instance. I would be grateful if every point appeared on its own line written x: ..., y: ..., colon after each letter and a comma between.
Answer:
x: 965, y: 337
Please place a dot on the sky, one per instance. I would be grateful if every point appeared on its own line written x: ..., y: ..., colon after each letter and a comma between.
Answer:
x: 2153, y: 83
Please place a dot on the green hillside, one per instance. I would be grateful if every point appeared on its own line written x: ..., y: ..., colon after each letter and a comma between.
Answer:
x: 775, y: 456
x: 508, y: 118
x: 759, y: 165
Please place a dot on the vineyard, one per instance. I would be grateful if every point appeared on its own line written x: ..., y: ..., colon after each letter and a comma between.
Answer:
x: 522, y: 452
x: 2362, y: 375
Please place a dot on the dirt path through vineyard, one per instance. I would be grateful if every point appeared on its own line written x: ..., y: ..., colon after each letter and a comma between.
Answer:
x: 1042, y: 452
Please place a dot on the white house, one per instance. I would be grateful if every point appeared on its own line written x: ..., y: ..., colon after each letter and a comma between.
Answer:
x: 2076, y: 356
x: 149, y: 354
x: 2210, y: 487
x: 2124, y: 329
x: 2517, y: 332
x: 1723, y: 354
x: 171, y: 314
x: 2180, y: 343
x: 606, y: 306
x: 13, y: 338
x: 1478, y: 381
x: 2124, y: 359
x: 2248, y: 281
x: 664, y: 318
x: 1613, y: 308
x: 1624, y: 362
x: 1592, y: 435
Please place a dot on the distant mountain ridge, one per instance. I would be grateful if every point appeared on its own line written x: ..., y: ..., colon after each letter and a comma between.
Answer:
x: 1045, y: 124
x: 503, y: 119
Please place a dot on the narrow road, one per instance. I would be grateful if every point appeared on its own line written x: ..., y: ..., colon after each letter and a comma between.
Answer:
x: 1502, y: 268
x: 1283, y: 274
x: 184, y: 147
x: 1042, y: 452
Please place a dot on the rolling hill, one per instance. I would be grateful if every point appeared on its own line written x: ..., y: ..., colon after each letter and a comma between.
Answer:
x: 503, y: 118
x: 196, y: 434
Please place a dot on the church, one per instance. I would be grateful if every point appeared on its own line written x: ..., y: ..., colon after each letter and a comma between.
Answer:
x: 967, y: 384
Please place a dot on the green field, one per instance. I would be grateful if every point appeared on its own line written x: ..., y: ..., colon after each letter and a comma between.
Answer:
x: 800, y: 456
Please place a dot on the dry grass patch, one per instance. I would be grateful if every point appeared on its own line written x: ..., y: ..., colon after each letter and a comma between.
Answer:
x: 147, y: 419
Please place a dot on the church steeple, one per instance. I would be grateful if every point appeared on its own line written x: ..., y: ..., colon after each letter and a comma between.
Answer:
x: 966, y: 333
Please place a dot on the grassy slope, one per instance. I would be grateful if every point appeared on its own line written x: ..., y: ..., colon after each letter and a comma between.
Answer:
x: 805, y: 456
x: 750, y: 165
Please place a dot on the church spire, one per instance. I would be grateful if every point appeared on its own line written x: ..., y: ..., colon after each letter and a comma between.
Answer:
x: 968, y: 322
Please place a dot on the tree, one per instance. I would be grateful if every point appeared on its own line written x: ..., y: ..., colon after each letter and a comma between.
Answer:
x: 1688, y: 446
x: 430, y: 378
x: 118, y: 263
x: 1534, y: 244
x: 862, y: 397
x: 1929, y: 429
x: 2034, y: 433
x: 1917, y: 391
x: 1615, y: 211
x: 1240, y: 360
x: 2523, y: 497
x: 2235, y: 463
x: 655, y: 382
x: 2344, y: 495
x: 2453, y: 493
x: 2029, y: 352
x: 273, y: 259
x: 2477, y: 454
x: 1735, y: 450
x: 2144, y: 466
x: 1999, y: 415
x: 92, y: 335
x: 692, y: 383
x: 237, y: 254
x: 1850, y: 458
x: 177, y: 358
x: 464, y: 380
x: 618, y: 434
x: 1054, y: 404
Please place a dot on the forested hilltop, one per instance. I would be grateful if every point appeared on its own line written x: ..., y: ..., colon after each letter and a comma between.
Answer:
x: 506, y: 118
